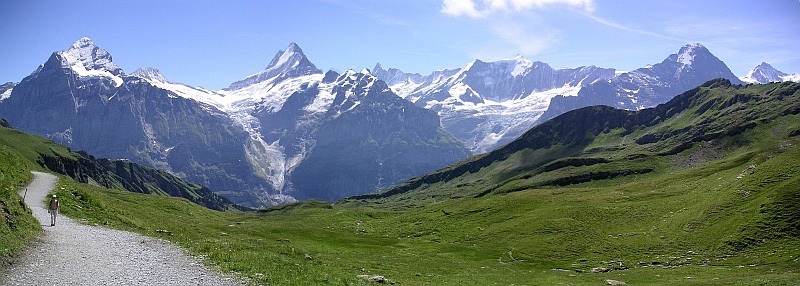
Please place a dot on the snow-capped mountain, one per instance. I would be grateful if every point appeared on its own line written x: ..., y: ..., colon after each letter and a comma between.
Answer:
x: 151, y: 74
x: 291, y: 117
x: 89, y: 61
x: 764, y: 73
x: 406, y: 84
x: 363, y: 137
x: 199, y: 94
x: 288, y: 131
x: 488, y: 104
x: 289, y: 63
x: 649, y: 86
x: 81, y: 99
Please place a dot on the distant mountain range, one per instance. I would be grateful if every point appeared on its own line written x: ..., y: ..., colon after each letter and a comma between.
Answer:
x: 488, y: 104
x: 293, y: 132
x: 248, y: 142
x: 765, y: 73
x: 648, y: 86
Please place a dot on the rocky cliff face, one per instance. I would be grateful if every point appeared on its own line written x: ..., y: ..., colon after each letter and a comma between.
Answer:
x: 370, y: 139
x: 344, y: 134
x: 112, y: 174
x: 126, y: 175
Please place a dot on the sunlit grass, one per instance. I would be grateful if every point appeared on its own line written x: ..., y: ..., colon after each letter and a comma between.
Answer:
x: 682, y: 227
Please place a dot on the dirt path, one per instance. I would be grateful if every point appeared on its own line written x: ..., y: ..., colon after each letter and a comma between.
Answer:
x: 75, y: 254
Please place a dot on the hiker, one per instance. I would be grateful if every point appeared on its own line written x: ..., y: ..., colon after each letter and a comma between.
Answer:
x: 53, y: 209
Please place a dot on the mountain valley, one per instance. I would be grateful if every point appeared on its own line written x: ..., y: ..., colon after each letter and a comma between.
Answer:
x: 445, y: 142
x: 703, y: 186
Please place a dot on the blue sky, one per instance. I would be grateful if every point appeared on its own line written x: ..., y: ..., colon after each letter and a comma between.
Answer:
x: 214, y: 43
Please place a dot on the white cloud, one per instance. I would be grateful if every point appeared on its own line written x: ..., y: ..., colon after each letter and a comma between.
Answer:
x: 505, y: 38
x: 518, y: 32
x: 520, y: 5
x: 469, y: 8
x: 526, y: 39
x: 628, y: 29
x: 460, y: 8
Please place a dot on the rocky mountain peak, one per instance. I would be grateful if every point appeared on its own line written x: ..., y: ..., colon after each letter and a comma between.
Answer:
x: 150, y: 74
x: 84, y: 55
x: 353, y: 80
x: 516, y: 66
x: 352, y: 87
x: 687, y: 53
x: 692, y: 65
x: 288, y: 63
x: 82, y: 43
x: 84, y: 61
x: 378, y: 67
x: 768, y: 71
x: 765, y: 73
x: 289, y: 58
x: 764, y: 65
x: 294, y: 47
x: 393, y: 76
x: 649, y: 86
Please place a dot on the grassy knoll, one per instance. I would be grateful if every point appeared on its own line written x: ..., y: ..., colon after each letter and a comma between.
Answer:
x: 17, y: 225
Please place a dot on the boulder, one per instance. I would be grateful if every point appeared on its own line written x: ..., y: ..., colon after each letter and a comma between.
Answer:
x: 600, y: 270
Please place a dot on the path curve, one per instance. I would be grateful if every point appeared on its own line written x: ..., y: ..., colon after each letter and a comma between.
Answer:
x: 75, y: 254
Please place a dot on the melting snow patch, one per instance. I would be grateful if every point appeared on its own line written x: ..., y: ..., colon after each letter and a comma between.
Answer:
x: 85, y: 75
x: 6, y: 94
x: 458, y: 89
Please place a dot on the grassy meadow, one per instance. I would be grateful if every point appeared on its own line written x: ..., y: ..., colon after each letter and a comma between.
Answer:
x: 694, y: 225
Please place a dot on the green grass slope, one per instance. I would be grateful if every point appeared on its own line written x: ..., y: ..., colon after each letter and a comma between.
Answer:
x: 41, y: 154
x: 646, y: 236
x: 700, y: 191
x: 17, y: 225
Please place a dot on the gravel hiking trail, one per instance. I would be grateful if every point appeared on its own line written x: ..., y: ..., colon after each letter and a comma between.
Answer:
x: 71, y: 253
